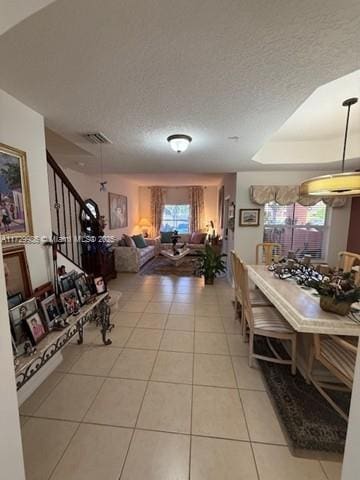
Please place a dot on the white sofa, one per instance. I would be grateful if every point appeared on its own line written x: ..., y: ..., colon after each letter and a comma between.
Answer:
x: 131, y: 259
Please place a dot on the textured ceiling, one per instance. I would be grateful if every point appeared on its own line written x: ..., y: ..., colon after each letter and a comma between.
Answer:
x: 14, y: 11
x: 140, y: 70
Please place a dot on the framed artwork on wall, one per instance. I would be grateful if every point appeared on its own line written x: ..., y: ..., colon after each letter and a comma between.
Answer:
x: 249, y: 217
x: 118, y: 211
x: 17, y: 275
x: 15, y: 214
x: 221, y: 206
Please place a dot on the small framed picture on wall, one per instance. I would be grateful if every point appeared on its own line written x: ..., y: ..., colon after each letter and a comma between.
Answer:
x: 249, y: 217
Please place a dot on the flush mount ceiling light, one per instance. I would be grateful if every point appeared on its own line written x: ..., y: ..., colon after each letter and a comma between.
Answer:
x: 339, y: 184
x: 179, y: 143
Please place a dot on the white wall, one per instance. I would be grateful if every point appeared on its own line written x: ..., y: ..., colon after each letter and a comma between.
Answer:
x: 246, y: 238
x: 178, y: 195
x: 88, y: 187
x: 22, y: 128
x: 11, y: 457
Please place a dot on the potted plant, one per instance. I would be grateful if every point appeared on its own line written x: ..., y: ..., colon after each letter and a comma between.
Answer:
x: 338, y: 292
x: 210, y: 264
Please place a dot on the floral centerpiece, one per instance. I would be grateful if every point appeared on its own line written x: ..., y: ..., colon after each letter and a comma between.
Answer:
x: 337, y: 292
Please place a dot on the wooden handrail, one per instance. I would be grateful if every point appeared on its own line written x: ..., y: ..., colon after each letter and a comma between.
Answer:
x: 70, y: 186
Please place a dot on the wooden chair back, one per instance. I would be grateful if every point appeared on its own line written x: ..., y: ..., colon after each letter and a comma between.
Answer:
x: 234, y: 259
x: 245, y: 293
x: 347, y: 260
x: 266, y: 251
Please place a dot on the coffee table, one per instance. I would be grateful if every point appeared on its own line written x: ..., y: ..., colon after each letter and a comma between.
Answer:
x: 176, y: 259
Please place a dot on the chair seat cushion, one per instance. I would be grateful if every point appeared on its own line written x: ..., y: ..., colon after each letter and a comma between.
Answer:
x: 269, y: 319
x: 342, y: 359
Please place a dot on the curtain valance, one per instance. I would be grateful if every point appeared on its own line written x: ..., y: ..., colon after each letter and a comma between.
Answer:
x: 287, y: 194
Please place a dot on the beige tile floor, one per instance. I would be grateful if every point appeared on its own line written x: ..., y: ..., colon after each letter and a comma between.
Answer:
x: 172, y: 398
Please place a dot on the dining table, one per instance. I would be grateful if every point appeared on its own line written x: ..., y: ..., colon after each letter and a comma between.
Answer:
x: 300, y: 306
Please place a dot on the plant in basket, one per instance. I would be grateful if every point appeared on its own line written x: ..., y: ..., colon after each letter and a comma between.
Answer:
x: 338, y: 292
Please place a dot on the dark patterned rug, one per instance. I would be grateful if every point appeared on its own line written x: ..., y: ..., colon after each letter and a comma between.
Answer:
x: 162, y: 266
x: 311, y: 425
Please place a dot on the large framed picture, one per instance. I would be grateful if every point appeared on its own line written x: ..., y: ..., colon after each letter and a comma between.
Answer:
x: 118, y: 213
x: 249, y: 217
x: 17, y: 275
x: 15, y: 214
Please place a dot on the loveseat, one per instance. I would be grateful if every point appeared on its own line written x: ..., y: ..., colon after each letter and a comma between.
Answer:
x: 131, y: 259
x: 187, y: 238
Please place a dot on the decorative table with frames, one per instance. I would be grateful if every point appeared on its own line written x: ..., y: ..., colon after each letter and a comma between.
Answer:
x: 98, y: 311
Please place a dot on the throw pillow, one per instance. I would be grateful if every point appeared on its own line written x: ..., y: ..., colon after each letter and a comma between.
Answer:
x: 165, y: 237
x: 139, y: 241
x: 129, y: 241
x: 198, y: 238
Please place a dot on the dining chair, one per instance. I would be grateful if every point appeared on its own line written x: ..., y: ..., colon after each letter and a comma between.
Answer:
x: 347, y: 261
x: 257, y: 298
x: 266, y: 251
x: 338, y: 355
x: 266, y: 322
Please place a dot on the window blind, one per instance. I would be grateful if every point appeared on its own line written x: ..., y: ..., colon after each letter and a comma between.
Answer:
x: 296, y: 227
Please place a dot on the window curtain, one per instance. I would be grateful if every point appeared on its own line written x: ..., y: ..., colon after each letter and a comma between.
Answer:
x: 197, y: 208
x: 287, y: 194
x: 157, y: 207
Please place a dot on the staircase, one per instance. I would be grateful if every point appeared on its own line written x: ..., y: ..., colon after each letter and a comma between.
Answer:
x: 69, y: 215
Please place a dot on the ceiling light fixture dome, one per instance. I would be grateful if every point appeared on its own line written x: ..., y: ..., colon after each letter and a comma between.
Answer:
x: 179, y: 143
x: 339, y: 184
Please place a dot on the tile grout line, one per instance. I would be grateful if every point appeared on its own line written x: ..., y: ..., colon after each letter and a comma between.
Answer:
x: 140, y: 408
x: 245, y: 419
x: 192, y: 402
x: 75, y: 432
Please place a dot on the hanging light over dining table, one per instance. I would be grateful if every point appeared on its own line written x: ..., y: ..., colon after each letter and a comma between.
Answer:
x: 338, y: 184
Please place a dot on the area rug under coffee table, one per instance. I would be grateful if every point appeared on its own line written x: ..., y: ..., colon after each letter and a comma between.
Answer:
x: 162, y: 266
x: 312, y: 426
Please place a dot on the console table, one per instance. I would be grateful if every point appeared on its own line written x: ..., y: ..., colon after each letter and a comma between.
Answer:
x: 98, y: 311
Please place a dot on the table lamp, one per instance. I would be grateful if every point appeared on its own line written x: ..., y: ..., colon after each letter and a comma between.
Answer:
x: 144, y: 224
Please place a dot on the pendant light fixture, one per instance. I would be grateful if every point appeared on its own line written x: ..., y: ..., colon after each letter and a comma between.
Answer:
x: 102, y: 182
x: 339, y: 184
x: 179, y: 142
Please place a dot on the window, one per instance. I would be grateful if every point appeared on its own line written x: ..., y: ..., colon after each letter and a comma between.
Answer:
x: 297, y: 228
x: 176, y: 217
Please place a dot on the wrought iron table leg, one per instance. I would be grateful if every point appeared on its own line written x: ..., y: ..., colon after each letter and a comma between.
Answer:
x: 106, y: 326
x: 81, y: 333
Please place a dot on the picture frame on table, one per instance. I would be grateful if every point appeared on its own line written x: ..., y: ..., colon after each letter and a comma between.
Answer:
x: 67, y: 282
x: 18, y: 315
x: 17, y: 273
x: 23, y: 310
x: 15, y: 300
x: 15, y: 204
x: 249, y: 217
x: 43, y: 291
x: 100, y: 285
x: 36, y: 328
x: 51, y: 310
x: 82, y: 288
x: 70, y: 301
